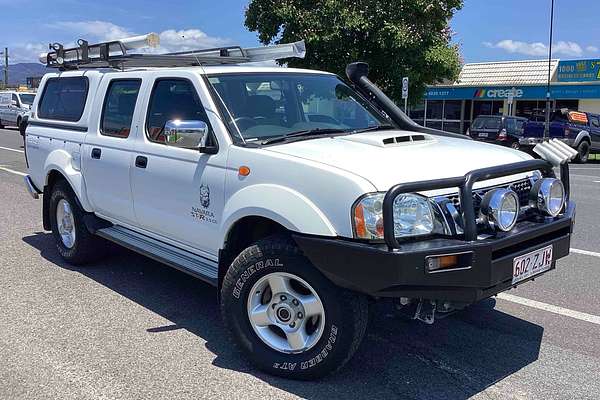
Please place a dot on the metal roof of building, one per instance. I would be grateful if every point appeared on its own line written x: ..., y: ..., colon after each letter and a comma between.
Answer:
x: 526, y: 72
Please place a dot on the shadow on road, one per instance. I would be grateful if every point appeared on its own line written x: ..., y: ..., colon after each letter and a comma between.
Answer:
x: 455, y: 358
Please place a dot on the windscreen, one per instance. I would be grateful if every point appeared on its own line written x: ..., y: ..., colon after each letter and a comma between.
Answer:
x: 27, y: 98
x: 268, y: 105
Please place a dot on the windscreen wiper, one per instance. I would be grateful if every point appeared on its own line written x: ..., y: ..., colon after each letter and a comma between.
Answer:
x: 306, y: 132
x: 375, y: 128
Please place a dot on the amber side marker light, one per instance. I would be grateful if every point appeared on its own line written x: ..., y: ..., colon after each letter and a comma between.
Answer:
x: 244, y: 171
x: 449, y: 261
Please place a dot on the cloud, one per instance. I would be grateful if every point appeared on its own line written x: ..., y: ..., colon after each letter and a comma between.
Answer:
x: 92, y: 30
x: 565, y: 48
x: 189, y: 39
x: 171, y: 40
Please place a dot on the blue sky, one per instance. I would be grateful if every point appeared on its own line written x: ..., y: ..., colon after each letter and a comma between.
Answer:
x: 486, y: 30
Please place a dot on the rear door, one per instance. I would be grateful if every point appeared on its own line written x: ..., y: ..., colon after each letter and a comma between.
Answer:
x: 107, y: 154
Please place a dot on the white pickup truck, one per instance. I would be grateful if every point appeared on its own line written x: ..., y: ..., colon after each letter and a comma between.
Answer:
x: 302, y: 197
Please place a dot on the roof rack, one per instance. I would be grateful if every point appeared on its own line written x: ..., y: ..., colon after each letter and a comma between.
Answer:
x: 114, y: 54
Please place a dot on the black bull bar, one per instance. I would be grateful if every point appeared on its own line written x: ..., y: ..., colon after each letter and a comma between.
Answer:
x: 465, y: 187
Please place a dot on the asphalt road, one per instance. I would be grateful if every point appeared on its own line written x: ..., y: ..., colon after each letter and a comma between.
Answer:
x: 130, y: 328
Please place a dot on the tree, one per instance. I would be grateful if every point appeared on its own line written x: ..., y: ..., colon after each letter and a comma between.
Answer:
x: 396, y: 37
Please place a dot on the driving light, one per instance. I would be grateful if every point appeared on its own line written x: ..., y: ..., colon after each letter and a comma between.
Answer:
x: 500, y: 207
x: 368, y: 217
x: 413, y: 216
x: 548, y: 196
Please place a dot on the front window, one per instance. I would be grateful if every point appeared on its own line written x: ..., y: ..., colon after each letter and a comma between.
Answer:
x: 27, y: 98
x: 262, y: 106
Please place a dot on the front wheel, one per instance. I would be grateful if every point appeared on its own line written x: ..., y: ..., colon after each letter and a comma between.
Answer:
x: 287, y: 318
x: 583, y: 152
x: 515, y: 145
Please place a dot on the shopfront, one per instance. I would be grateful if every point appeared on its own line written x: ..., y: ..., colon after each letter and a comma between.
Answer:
x: 453, y: 107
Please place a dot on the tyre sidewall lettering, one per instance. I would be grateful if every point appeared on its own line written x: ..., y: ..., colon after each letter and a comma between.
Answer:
x: 321, y: 355
x: 251, y: 270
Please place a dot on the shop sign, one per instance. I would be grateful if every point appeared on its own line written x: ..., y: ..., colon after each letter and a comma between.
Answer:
x: 519, y: 93
x: 578, y: 71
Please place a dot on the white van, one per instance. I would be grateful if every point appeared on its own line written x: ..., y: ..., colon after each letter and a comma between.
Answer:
x: 14, y: 106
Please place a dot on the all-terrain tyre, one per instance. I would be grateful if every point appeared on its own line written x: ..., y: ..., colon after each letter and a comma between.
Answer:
x: 262, y: 316
x: 583, y: 152
x: 74, y: 242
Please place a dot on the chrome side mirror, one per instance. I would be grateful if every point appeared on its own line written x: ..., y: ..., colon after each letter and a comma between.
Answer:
x: 188, y: 134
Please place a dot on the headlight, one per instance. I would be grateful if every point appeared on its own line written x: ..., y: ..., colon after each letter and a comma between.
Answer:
x: 368, y: 217
x: 414, y: 215
x: 501, y: 208
x: 548, y: 196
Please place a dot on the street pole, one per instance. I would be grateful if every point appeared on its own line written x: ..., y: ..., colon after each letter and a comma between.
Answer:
x: 547, y: 124
x: 1, y: 54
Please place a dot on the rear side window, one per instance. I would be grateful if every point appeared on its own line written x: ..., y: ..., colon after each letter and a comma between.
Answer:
x: 487, y: 123
x: 64, y: 98
x: 119, y: 105
x: 172, y: 99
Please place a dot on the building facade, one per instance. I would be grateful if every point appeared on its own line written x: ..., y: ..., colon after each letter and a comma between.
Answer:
x: 510, y: 88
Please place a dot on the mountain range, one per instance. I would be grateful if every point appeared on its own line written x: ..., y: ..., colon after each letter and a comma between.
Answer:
x: 18, y: 73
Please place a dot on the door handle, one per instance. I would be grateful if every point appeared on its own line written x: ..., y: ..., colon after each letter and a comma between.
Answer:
x: 141, y: 162
x: 96, y: 153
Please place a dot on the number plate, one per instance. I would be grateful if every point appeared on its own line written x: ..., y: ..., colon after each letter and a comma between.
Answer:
x: 483, y: 134
x: 531, y: 264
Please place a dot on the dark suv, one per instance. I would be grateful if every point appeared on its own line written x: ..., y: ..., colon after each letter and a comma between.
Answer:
x: 498, y: 129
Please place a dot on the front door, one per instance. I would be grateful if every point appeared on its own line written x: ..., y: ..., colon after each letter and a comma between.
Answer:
x: 178, y: 192
x: 595, y: 131
x: 108, y: 150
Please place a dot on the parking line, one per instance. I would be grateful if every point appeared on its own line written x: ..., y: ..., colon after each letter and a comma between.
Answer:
x: 12, y: 171
x: 586, y: 252
x: 594, y: 319
x: 583, y: 176
x: 9, y: 149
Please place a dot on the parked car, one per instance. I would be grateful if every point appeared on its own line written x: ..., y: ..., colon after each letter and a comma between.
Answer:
x: 580, y: 130
x: 499, y: 129
x: 14, y: 106
x: 300, y: 197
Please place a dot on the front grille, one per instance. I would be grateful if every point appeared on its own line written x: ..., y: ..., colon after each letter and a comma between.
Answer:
x: 521, y: 187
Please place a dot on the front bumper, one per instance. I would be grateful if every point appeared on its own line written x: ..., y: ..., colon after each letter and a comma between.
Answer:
x: 532, y: 141
x: 379, y: 271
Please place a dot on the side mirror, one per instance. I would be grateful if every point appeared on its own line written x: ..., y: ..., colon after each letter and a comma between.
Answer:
x: 13, y: 102
x: 187, y: 134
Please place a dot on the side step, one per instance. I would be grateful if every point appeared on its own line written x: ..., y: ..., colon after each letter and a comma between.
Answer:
x: 183, y: 260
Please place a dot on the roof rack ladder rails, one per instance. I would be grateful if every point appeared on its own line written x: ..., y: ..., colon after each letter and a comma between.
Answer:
x: 114, y: 54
